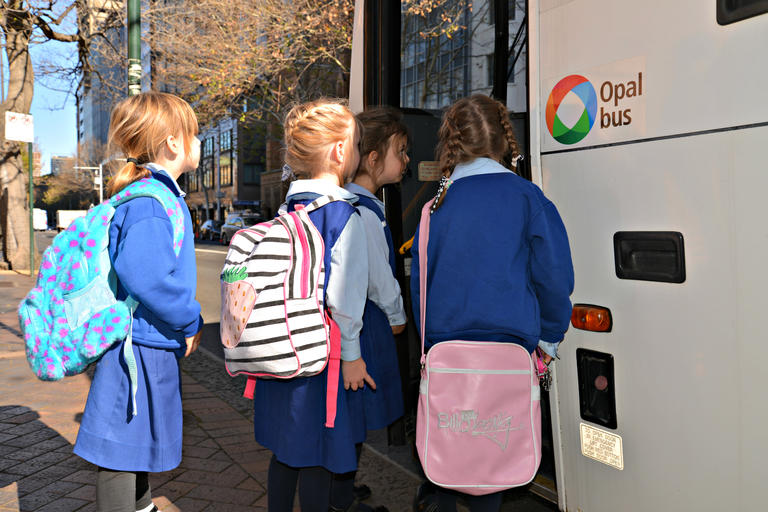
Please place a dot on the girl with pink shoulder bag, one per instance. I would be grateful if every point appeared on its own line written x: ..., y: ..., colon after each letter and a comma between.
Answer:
x: 490, y: 281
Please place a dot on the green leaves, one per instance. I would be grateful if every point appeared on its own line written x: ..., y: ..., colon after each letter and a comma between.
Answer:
x: 233, y: 274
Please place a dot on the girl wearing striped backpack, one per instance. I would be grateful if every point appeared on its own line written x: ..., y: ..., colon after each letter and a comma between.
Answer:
x: 129, y: 431
x: 321, y: 147
x: 498, y: 273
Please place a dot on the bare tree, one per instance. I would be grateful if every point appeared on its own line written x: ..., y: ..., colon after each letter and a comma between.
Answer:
x: 258, y: 58
x: 23, y: 24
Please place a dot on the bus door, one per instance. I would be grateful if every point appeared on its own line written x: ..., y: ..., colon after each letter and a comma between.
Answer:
x: 422, y: 64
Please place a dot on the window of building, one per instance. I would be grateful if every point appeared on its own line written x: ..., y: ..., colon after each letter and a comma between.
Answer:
x: 208, y: 173
x: 192, y: 181
x: 206, y: 162
x: 434, y: 70
x: 226, y: 162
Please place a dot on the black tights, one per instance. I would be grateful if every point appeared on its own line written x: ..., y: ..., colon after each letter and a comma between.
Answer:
x: 314, y: 487
x: 343, y: 485
x: 122, y: 491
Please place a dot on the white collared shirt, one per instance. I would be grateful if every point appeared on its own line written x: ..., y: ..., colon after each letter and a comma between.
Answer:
x: 383, y: 288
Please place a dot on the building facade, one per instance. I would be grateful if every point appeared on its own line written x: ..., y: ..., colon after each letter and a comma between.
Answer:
x: 62, y: 164
x: 228, y: 178
x: 436, y: 71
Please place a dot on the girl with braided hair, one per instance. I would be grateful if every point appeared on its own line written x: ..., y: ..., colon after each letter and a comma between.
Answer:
x: 499, y: 263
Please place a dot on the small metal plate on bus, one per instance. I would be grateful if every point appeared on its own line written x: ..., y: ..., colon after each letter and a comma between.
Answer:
x: 602, y: 446
x: 429, y: 171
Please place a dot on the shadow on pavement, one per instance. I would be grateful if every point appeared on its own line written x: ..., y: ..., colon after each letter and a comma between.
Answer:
x: 37, y: 466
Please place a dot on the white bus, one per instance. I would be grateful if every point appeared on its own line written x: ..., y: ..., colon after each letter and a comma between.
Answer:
x: 647, y: 125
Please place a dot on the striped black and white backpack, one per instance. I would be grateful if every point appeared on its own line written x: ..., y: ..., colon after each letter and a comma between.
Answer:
x: 273, y: 319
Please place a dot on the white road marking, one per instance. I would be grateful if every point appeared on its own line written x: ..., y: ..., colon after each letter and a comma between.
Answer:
x: 211, y: 251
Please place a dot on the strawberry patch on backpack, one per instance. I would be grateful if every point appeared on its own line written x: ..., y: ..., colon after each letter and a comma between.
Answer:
x: 237, y: 300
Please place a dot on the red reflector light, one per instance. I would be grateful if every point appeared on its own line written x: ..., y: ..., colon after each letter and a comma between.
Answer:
x: 591, y: 318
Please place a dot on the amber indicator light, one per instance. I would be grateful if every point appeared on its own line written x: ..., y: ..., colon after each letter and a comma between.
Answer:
x: 591, y: 318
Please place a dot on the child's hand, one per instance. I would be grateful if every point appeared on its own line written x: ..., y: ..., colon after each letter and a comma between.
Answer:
x: 398, y: 329
x: 355, y: 374
x: 192, y: 343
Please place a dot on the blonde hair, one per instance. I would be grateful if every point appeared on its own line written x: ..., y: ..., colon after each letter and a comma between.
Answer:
x: 310, y: 128
x: 474, y: 127
x: 139, y: 126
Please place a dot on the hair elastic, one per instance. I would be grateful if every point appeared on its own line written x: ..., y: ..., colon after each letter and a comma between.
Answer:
x: 132, y: 160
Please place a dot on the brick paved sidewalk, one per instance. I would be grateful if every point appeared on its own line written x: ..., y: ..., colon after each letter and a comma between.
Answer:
x: 222, y: 469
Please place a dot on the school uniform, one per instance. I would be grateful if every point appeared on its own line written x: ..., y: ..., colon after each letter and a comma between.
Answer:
x: 499, y: 269
x: 383, y: 309
x: 148, y: 269
x: 289, y: 415
x: 499, y: 263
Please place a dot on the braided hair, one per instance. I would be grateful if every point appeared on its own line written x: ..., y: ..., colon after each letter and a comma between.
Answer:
x: 473, y: 127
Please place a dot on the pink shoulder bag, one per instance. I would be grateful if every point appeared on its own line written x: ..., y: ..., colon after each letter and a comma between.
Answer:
x: 478, y: 425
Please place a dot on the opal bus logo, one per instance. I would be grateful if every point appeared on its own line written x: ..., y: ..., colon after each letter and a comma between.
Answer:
x: 583, y: 90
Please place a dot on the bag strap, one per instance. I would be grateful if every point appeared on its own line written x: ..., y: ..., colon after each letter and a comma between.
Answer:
x: 423, y: 241
x: 150, y: 187
x: 320, y: 202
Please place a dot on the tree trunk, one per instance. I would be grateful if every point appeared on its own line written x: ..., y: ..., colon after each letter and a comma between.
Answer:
x: 13, y: 178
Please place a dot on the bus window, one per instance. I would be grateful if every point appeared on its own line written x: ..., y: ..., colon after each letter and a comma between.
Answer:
x: 731, y: 11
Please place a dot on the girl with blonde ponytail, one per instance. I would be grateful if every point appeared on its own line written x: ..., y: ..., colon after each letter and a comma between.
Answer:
x: 126, y: 438
x: 499, y: 263
x: 321, y: 148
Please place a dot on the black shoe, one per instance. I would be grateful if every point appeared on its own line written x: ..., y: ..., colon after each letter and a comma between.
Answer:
x: 426, y: 498
x: 362, y: 492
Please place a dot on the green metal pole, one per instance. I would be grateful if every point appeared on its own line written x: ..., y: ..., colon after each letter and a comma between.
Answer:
x: 31, y: 158
x: 134, y: 47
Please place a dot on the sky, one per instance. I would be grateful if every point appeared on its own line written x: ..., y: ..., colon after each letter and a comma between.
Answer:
x: 53, y: 111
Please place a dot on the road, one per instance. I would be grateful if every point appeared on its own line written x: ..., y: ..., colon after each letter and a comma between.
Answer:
x: 210, y: 260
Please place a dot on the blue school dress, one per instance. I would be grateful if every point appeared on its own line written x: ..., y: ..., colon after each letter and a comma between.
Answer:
x: 140, y: 246
x: 384, y: 405
x: 289, y: 415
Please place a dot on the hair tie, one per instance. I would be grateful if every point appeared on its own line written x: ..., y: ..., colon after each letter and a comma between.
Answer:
x: 132, y: 160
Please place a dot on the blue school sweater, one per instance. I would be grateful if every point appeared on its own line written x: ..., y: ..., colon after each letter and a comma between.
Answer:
x: 499, y: 264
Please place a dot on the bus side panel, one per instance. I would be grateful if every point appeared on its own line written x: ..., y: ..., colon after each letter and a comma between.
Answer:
x: 687, y: 356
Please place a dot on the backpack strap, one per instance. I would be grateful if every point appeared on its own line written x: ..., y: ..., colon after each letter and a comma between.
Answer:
x: 320, y: 202
x: 147, y: 187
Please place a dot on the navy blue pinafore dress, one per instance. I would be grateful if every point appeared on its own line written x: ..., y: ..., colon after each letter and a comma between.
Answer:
x: 289, y: 415
x: 384, y: 405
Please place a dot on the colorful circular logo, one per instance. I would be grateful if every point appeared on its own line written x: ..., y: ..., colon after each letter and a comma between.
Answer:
x: 583, y: 89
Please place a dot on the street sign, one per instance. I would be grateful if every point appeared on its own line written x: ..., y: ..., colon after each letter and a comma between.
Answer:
x: 19, y: 127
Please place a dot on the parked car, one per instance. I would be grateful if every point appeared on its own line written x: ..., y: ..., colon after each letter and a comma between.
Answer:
x: 211, y: 230
x: 235, y: 222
